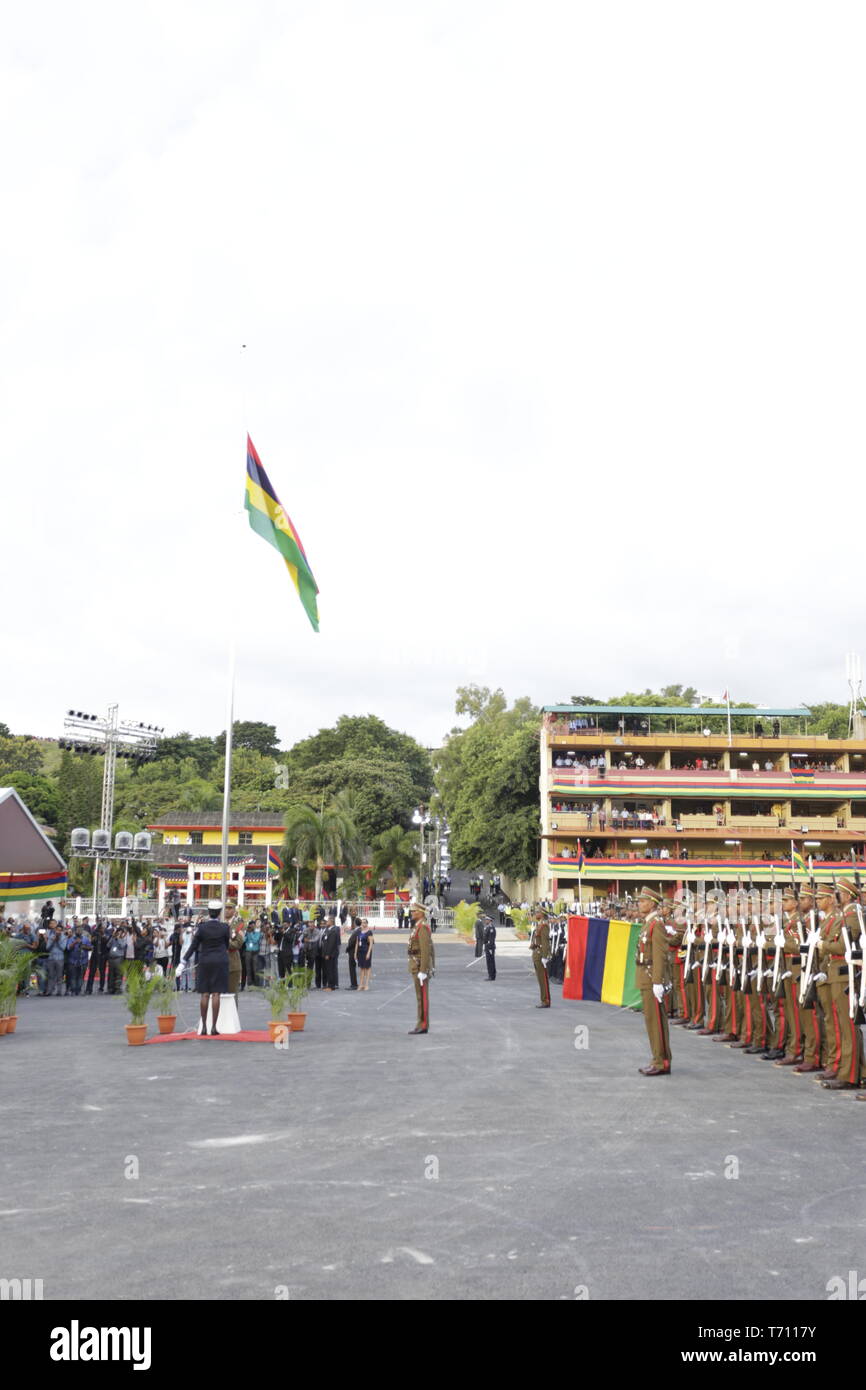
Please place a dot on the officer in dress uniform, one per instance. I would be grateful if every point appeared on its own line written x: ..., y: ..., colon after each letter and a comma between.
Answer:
x: 652, y: 975
x: 679, y: 1010
x: 828, y: 912
x: 809, y: 1019
x: 539, y: 945
x: 421, y: 963
x: 490, y: 947
x: 791, y: 970
x: 831, y: 949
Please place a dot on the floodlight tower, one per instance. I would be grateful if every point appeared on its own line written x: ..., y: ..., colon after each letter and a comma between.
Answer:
x: 110, y: 737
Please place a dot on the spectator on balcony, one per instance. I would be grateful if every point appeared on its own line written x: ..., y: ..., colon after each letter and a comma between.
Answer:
x: 768, y: 766
x: 602, y: 818
x: 639, y: 762
x: 756, y: 766
x: 664, y: 852
x: 614, y: 818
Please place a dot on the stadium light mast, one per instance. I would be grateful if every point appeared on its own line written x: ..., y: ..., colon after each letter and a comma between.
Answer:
x: 112, y: 738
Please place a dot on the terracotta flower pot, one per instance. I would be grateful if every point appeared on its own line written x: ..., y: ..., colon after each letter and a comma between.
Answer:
x: 136, y: 1034
x: 166, y: 1022
x: 4, y: 1024
x: 11, y: 1023
x: 296, y: 1022
x: 273, y: 1025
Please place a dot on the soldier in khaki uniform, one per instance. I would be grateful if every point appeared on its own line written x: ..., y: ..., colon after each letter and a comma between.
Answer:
x: 421, y: 962
x: 652, y: 977
x: 539, y: 945
x: 793, y: 1031
x: 831, y: 949
x: 678, y: 996
x: 809, y: 1019
x: 828, y: 911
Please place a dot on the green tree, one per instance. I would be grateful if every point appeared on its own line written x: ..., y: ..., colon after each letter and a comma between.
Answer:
x: 828, y: 719
x: 364, y: 737
x: 488, y: 784
x: 395, y: 853
x: 204, y: 752
x: 79, y: 794
x: 319, y: 838
x: 41, y: 795
x: 255, y: 736
x: 19, y: 755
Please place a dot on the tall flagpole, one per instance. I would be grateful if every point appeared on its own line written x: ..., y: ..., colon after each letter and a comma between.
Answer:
x: 227, y: 781
x: 230, y: 712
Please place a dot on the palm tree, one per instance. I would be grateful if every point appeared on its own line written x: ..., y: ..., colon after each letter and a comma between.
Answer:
x: 395, y: 851
x: 317, y: 839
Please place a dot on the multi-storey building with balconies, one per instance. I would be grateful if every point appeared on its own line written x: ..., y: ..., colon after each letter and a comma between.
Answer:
x: 644, y: 801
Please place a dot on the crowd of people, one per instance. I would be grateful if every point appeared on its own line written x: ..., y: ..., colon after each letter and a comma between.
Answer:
x: 92, y: 956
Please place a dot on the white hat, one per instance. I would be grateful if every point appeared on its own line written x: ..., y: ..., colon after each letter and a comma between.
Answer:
x: 214, y: 905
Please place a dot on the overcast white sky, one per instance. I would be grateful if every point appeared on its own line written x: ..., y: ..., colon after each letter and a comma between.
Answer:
x: 554, y: 316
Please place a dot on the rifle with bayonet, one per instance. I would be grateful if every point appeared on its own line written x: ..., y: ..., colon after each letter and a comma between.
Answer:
x: 708, y: 942
x: 808, y: 991
x: 689, y: 937
x: 745, y: 978
x: 732, y: 949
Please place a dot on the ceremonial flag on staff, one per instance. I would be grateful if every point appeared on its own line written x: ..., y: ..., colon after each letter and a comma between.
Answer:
x: 600, y: 961
x: 275, y: 863
x: 581, y: 857
x: 798, y: 863
x: 273, y: 524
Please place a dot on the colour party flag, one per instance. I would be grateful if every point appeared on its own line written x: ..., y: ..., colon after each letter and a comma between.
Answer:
x: 273, y: 524
x: 798, y: 863
x: 600, y: 961
x: 275, y: 863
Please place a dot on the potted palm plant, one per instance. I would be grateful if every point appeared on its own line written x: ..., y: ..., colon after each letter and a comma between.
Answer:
x: 15, y: 964
x: 139, y: 993
x: 8, y: 986
x: 276, y: 991
x: 299, y: 988
x: 165, y: 998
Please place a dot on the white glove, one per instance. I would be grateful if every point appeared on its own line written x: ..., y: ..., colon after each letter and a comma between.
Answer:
x: 545, y: 961
x: 819, y: 979
x: 659, y: 992
x: 779, y: 941
x: 421, y: 976
x: 813, y: 938
x: 786, y: 975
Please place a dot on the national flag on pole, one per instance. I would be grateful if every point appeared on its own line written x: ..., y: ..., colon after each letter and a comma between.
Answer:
x: 273, y: 524
x: 798, y: 863
x: 581, y: 857
x: 275, y: 863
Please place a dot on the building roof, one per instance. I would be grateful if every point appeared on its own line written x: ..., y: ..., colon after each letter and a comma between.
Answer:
x: 736, y: 711
x: 210, y: 820
x: 24, y: 849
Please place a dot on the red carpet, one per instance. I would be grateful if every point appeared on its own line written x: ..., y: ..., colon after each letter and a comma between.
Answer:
x: 247, y: 1035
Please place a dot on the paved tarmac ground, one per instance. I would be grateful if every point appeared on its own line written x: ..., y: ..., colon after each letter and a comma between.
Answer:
x: 495, y: 1158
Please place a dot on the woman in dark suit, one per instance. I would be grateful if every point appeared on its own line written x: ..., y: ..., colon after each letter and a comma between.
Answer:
x: 211, y: 940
